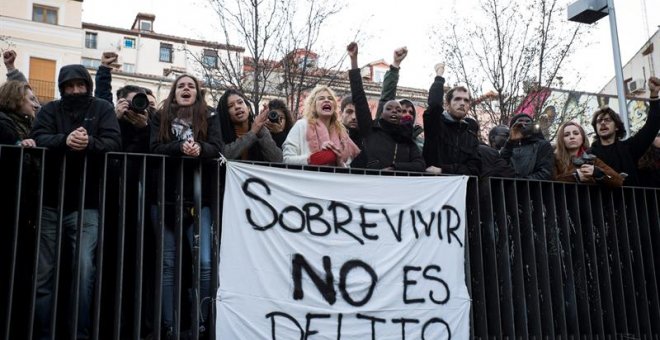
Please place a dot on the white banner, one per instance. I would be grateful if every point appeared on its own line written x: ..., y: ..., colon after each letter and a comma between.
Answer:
x: 336, y: 256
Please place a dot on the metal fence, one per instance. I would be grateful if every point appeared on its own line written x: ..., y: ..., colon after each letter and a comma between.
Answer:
x: 544, y: 259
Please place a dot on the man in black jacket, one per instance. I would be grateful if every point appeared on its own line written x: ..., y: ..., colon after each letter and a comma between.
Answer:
x: 623, y: 156
x: 77, y: 129
x: 448, y: 146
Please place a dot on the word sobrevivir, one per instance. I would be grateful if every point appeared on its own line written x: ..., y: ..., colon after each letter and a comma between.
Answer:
x: 311, y: 218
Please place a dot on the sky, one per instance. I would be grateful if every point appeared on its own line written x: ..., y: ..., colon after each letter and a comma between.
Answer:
x: 388, y: 24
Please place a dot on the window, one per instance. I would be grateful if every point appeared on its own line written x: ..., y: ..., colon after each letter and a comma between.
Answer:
x: 145, y: 25
x: 310, y: 62
x: 379, y: 75
x: 129, y: 42
x: 90, y: 40
x: 128, y: 68
x: 45, y: 14
x: 210, y: 58
x: 90, y: 63
x: 166, y: 53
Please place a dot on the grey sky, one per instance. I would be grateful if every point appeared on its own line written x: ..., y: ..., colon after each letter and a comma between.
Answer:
x: 388, y: 24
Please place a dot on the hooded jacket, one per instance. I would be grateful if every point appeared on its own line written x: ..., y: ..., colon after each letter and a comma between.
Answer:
x: 448, y: 144
x: 56, y: 120
x: 383, y: 146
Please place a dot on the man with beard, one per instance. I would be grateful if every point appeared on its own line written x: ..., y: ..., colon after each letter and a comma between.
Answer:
x: 349, y: 119
x: 77, y: 129
x: 623, y: 155
x: 449, y: 147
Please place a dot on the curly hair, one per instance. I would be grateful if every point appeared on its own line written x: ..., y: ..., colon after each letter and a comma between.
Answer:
x: 621, y: 129
x: 309, y: 110
x: 12, y: 95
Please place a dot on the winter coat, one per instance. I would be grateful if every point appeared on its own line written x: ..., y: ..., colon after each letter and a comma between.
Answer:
x: 260, y: 146
x: 14, y: 127
x: 492, y: 164
x: 388, y: 91
x: 133, y: 139
x: 531, y: 157
x: 55, y: 121
x: 381, y: 148
x: 15, y: 74
x: 603, y: 174
x: 210, y: 150
x: 623, y: 156
x: 448, y: 144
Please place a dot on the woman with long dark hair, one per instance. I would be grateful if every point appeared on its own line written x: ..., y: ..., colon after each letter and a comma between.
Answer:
x: 184, y: 126
x: 574, y: 164
x: 244, y: 135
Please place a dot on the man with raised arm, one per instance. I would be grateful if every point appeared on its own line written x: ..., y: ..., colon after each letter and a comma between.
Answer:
x: 623, y: 155
x: 449, y: 147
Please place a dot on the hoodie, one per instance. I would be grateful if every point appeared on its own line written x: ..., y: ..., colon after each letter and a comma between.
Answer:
x: 56, y: 120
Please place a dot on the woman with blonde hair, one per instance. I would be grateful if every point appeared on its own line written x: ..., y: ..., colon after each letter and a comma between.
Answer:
x: 573, y: 163
x: 319, y: 138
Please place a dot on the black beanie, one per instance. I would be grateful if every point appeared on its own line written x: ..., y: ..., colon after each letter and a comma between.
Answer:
x: 518, y: 116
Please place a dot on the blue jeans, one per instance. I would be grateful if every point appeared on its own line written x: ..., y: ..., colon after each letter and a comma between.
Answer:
x: 169, y: 258
x: 46, y: 268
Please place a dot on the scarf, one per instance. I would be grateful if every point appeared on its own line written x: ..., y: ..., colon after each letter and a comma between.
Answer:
x: 401, y: 133
x: 317, y: 134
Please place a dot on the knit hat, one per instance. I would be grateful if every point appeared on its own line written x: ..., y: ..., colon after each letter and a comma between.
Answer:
x: 517, y: 117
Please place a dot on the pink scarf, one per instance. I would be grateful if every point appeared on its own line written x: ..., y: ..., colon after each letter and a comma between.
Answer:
x: 317, y: 133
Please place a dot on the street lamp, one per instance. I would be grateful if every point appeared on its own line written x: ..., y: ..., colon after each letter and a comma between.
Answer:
x: 590, y: 11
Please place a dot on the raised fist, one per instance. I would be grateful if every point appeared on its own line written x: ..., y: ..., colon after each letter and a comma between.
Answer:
x: 400, y: 54
x: 654, y: 86
x: 8, y: 57
x: 108, y: 58
x: 439, y: 69
x: 352, y: 50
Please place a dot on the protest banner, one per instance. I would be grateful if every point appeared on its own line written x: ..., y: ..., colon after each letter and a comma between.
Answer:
x: 337, y: 256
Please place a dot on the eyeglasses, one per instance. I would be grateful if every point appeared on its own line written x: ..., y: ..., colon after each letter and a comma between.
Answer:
x: 605, y: 120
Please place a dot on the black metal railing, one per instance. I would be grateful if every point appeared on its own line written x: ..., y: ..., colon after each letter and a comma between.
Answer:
x: 543, y: 259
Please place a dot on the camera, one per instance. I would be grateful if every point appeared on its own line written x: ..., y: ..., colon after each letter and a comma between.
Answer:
x: 273, y: 116
x: 584, y: 159
x: 530, y: 128
x: 139, y: 103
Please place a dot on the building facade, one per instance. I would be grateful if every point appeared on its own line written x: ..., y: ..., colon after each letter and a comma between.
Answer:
x: 46, y: 35
x: 636, y: 72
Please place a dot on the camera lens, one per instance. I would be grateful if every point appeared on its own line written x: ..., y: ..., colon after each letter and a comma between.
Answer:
x: 273, y: 116
x: 139, y: 103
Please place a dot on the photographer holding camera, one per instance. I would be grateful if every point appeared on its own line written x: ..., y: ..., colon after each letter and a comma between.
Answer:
x: 528, y: 152
x: 573, y: 163
x: 279, y: 121
x: 133, y: 111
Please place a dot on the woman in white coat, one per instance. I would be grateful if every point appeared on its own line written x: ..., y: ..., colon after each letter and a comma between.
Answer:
x: 319, y: 138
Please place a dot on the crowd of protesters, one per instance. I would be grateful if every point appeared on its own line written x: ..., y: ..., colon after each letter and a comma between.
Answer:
x: 85, y: 123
